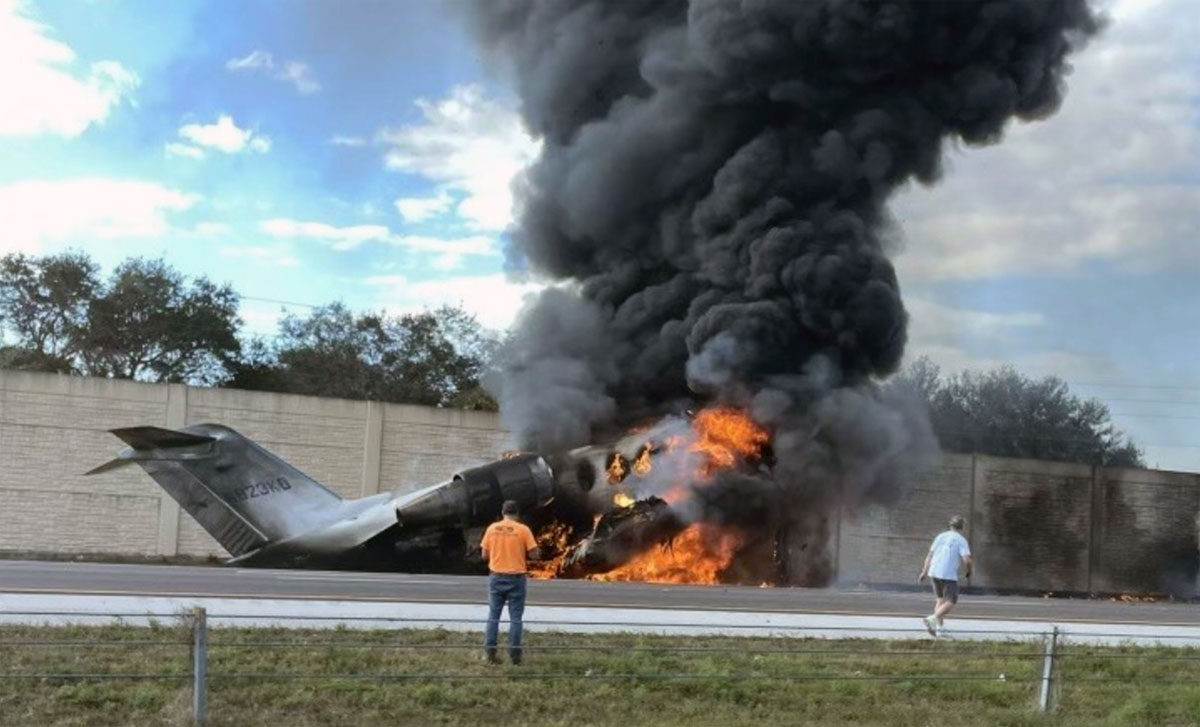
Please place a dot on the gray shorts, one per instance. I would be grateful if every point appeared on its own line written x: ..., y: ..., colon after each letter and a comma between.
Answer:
x: 947, y: 590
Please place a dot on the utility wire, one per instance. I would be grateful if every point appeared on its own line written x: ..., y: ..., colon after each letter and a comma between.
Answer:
x: 1165, y: 387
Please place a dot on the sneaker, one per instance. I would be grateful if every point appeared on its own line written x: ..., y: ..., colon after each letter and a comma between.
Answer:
x: 930, y: 625
x: 491, y: 658
x: 515, y: 658
x: 941, y: 632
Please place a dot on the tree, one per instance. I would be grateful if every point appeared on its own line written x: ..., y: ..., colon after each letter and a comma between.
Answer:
x: 1004, y: 413
x: 44, y: 304
x: 328, y: 353
x: 435, y: 358
x: 257, y: 369
x: 151, y: 324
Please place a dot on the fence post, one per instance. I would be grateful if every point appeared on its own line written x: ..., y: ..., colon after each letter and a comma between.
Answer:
x: 1048, y: 670
x: 199, y: 667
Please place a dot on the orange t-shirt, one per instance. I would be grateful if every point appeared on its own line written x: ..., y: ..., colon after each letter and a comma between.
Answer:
x: 507, y: 542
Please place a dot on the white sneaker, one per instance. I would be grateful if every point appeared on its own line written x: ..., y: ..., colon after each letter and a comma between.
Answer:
x: 941, y: 632
x: 930, y: 625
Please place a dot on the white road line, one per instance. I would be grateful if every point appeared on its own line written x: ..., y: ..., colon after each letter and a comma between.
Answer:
x: 468, y: 617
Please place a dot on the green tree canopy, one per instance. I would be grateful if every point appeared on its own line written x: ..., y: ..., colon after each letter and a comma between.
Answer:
x: 146, y: 322
x: 151, y: 323
x: 435, y: 358
x: 44, y: 306
x: 1005, y: 413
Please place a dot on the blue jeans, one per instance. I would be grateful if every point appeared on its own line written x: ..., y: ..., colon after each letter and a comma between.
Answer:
x: 505, y: 589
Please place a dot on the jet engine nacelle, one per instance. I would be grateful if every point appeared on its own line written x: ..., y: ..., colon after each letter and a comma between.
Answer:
x: 472, y: 498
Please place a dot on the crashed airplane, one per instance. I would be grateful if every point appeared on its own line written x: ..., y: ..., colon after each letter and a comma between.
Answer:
x: 265, y: 512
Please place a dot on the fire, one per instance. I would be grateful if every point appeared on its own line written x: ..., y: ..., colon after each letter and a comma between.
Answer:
x: 642, y: 464
x: 726, y: 435
x: 699, y: 554
x: 675, y: 495
x: 618, y: 468
x: 1136, y: 598
x: 720, y: 438
x: 554, y: 539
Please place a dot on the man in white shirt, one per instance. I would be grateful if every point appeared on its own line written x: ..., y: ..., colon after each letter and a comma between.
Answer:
x: 949, y: 550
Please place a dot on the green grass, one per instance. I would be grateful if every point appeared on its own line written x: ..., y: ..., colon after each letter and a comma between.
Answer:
x: 734, y: 681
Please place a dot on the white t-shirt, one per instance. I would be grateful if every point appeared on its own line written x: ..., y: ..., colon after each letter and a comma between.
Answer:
x: 948, y: 550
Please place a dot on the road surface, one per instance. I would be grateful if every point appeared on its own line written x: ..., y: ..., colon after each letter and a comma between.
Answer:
x: 102, y: 579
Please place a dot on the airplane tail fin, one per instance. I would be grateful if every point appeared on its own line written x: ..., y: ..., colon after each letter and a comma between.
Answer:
x: 159, y: 438
x: 143, y: 440
x: 244, y: 496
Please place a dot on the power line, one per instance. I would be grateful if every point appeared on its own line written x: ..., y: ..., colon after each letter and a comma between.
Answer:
x: 280, y: 302
x: 1140, y: 415
x: 1135, y: 386
x: 1151, y: 401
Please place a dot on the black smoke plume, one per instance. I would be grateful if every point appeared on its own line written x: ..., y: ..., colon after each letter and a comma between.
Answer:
x: 713, y: 187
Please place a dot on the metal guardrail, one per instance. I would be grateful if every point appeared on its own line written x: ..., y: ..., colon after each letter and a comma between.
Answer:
x: 199, y: 675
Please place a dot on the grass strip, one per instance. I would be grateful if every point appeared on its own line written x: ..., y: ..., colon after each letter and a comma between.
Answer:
x: 140, y: 676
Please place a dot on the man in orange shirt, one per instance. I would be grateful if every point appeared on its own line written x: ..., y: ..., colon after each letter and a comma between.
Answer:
x: 508, y: 545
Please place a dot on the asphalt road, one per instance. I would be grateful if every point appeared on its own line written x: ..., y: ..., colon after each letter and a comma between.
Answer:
x: 199, y: 581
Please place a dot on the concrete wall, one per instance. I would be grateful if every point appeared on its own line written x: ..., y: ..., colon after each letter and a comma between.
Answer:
x: 1032, y: 524
x: 53, y: 428
x: 1035, y: 525
x: 886, y: 545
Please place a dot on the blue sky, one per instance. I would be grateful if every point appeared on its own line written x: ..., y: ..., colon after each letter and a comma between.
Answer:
x: 313, y: 151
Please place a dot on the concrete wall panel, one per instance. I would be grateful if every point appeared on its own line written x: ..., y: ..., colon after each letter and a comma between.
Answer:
x: 883, y: 544
x: 1145, y: 531
x: 423, y: 446
x: 1033, y: 525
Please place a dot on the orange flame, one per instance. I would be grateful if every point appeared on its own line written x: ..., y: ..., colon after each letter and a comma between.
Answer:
x: 725, y: 435
x: 699, y: 554
x: 553, y: 540
x: 618, y: 468
x: 675, y: 495
x: 642, y: 464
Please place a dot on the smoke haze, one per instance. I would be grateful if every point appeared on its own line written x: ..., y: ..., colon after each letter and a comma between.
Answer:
x: 713, y: 183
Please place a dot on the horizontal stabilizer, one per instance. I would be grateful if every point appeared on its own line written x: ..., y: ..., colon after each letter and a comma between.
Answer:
x: 112, y: 464
x: 157, y: 438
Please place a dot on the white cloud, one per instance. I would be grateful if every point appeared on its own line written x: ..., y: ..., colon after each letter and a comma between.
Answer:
x: 1111, y: 178
x: 296, y: 73
x: 340, y: 140
x: 932, y: 322
x: 1047, y: 362
x: 419, y: 209
x: 42, y: 92
x: 223, y: 136
x: 34, y: 213
x: 493, y: 299
x: 275, y: 255
x: 257, y: 60
x: 340, y: 238
x: 211, y: 228
x: 178, y: 149
x: 467, y: 145
x: 953, y: 336
x: 449, y: 252
x: 472, y: 245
